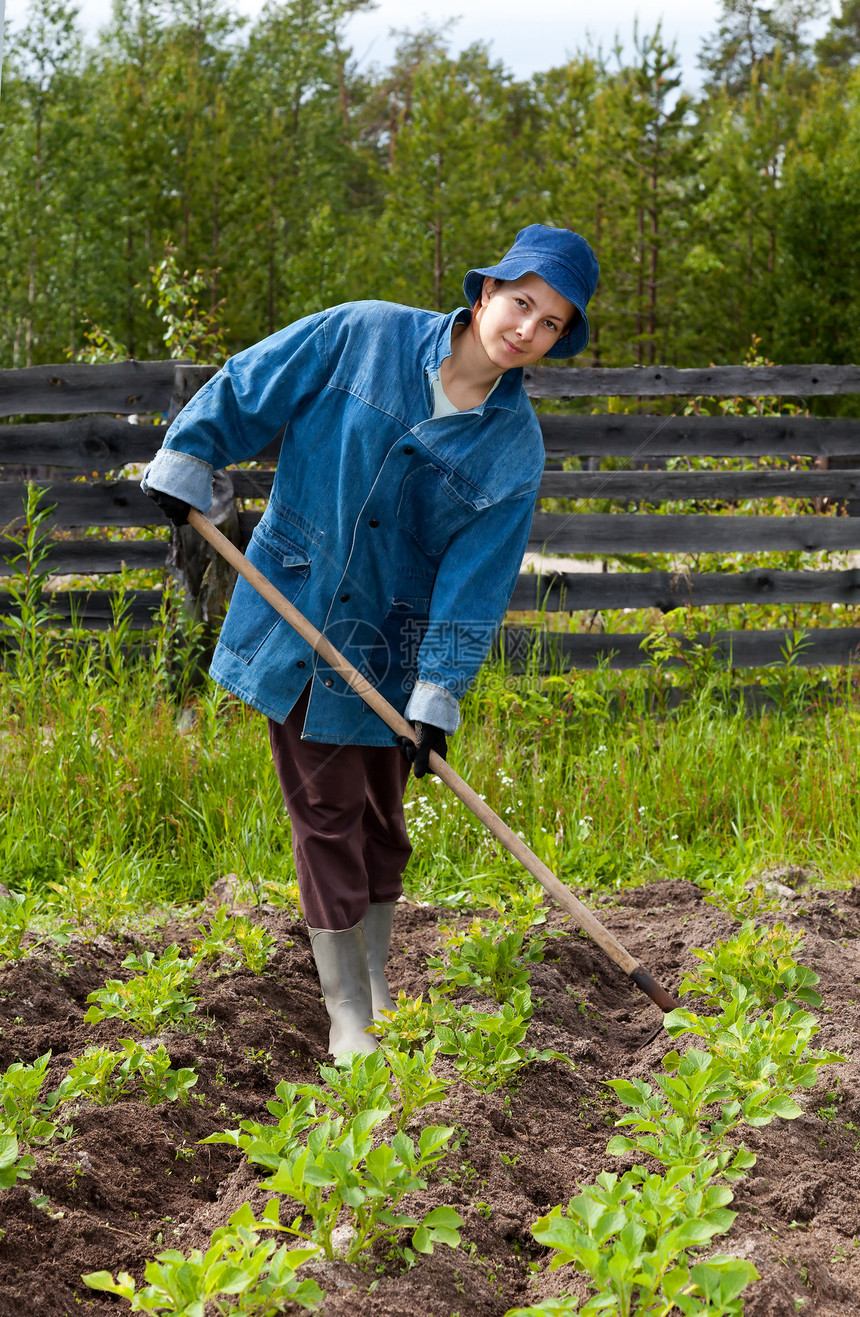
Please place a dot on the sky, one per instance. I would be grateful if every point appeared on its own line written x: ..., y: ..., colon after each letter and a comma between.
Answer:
x: 525, y: 40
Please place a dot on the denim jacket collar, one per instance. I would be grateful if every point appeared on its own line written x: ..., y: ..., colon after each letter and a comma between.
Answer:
x: 506, y: 396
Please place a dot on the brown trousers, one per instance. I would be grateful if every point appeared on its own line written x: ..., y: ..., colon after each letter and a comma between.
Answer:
x: 345, y: 803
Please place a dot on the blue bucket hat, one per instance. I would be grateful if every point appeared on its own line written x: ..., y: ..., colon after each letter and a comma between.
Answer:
x: 564, y: 260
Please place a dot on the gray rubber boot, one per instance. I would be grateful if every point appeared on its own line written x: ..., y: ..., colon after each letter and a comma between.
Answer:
x: 377, y: 935
x: 341, y: 961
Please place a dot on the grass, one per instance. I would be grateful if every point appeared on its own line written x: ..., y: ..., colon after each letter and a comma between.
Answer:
x: 97, y: 779
x: 123, y: 787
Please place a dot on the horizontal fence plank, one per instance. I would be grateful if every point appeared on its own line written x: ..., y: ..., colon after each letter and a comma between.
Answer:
x: 688, y: 436
x: 97, y: 503
x: 121, y: 387
x: 122, y: 503
x: 251, y: 484
x: 700, y: 436
x: 102, y: 443
x: 569, y: 591
x: 92, y: 609
x: 84, y: 444
x: 703, y: 486
x: 547, y: 651
x: 712, y: 381
x: 652, y: 486
x: 638, y: 532
x: 92, y: 556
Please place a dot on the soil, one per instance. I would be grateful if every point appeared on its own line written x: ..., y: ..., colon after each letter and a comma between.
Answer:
x: 132, y: 1180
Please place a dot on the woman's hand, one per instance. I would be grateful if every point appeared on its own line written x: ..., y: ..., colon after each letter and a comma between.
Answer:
x: 176, y: 509
x: 417, y: 752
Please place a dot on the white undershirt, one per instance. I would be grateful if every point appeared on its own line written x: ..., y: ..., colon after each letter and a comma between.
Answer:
x: 442, y: 404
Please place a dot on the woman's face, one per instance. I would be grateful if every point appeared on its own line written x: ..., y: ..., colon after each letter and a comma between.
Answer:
x: 518, y: 321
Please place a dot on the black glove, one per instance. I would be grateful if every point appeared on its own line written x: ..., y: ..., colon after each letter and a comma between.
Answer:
x: 418, y: 752
x: 174, y: 508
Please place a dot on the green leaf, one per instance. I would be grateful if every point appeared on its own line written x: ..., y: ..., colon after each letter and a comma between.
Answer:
x: 785, y: 1107
x: 103, y: 1280
x: 630, y: 1094
x: 618, y: 1145
x: 443, y: 1216
x: 422, y: 1241
x: 692, y: 1232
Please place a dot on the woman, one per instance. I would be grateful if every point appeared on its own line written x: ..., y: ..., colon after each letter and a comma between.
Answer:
x: 400, y: 511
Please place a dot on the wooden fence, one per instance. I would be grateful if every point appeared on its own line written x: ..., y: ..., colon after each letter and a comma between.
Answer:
x: 94, y: 440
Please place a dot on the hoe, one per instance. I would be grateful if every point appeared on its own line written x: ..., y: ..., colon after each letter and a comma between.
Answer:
x: 581, y: 916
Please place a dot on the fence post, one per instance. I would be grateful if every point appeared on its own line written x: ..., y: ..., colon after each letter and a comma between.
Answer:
x: 207, y: 580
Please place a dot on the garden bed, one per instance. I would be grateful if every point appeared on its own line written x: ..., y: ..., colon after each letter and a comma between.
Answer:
x: 132, y: 1180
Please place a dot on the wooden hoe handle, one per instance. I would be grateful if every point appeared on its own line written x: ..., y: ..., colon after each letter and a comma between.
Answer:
x: 580, y: 914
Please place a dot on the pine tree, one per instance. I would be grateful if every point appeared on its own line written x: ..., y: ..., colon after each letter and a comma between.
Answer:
x: 840, y: 45
x: 41, y: 105
x: 818, y: 268
x: 748, y: 38
x: 458, y: 184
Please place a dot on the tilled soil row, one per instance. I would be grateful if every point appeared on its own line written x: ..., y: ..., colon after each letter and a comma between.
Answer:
x: 132, y: 1180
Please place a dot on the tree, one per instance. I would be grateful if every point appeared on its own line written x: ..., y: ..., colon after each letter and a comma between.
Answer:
x: 576, y: 162
x: 818, y: 314
x: 747, y: 39
x: 616, y: 150
x: 459, y: 179
x: 840, y: 45
x: 294, y: 137
x: 40, y: 111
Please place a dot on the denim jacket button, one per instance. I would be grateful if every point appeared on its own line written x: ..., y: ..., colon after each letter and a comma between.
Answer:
x: 344, y: 598
x: 329, y: 681
x: 409, y: 449
x: 301, y: 664
x: 373, y: 522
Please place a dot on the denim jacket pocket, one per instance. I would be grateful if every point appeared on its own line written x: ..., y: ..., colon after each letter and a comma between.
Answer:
x: 435, y: 504
x: 288, y: 567
x: 286, y: 551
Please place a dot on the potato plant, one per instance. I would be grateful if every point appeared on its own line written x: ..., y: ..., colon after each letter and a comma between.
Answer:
x: 105, y: 1076
x: 493, y: 962
x: 236, y: 937
x: 156, y: 998
x: 760, y: 960
x: 217, y: 939
x: 669, y: 1125
x: 326, y: 1154
x: 24, y: 1109
x: 487, y: 1049
x: 18, y: 921
x: 633, y: 1235
x: 12, y: 1167
x: 255, y: 944
x: 401, y: 1082
x: 342, y: 1168
x: 265, y: 1145
x: 413, y: 1021
x: 767, y: 1055
x: 416, y: 1083
x: 238, y: 1274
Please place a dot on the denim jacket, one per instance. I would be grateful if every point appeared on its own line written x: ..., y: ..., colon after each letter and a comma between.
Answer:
x: 399, y: 536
